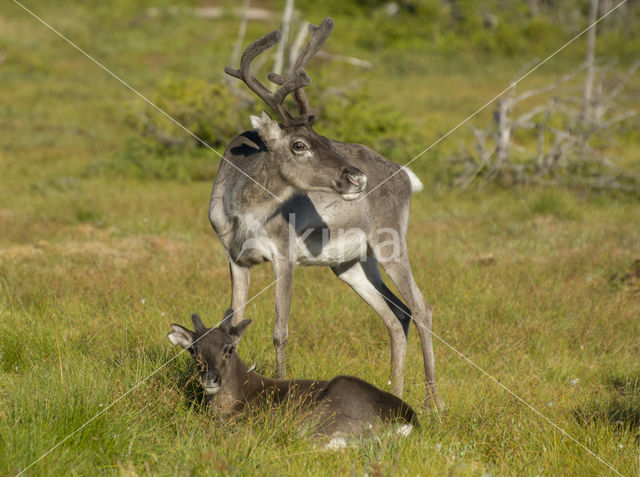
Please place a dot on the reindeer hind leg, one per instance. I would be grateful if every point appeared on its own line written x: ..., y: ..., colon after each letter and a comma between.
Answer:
x: 365, y: 280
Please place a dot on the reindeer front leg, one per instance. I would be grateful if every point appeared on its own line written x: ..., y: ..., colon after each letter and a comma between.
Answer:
x: 239, y: 290
x: 284, y: 285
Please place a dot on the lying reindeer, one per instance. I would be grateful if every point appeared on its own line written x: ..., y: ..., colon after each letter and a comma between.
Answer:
x: 344, y: 406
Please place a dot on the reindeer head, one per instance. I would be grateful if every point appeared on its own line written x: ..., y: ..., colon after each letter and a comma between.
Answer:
x: 303, y: 158
x: 212, y: 348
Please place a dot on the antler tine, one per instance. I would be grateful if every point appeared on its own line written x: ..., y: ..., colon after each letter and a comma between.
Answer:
x: 319, y: 35
x: 245, y: 73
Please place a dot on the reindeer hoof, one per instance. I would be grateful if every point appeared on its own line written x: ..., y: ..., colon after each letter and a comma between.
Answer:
x: 433, y: 404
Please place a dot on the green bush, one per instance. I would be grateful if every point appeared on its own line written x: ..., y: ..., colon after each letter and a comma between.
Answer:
x: 358, y: 118
x: 161, y: 149
x: 494, y: 26
x: 144, y: 159
x: 209, y: 110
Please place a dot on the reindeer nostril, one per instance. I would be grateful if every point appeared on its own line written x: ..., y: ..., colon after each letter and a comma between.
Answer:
x: 211, y: 378
x: 354, y: 176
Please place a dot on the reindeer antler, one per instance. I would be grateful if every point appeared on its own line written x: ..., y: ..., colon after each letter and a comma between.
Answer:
x: 291, y: 83
x: 319, y: 35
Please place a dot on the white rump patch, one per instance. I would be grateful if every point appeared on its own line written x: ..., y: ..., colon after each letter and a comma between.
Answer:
x: 416, y: 184
x: 404, y: 430
x: 337, y: 443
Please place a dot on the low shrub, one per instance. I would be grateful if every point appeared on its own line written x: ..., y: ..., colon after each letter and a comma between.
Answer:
x: 160, y: 149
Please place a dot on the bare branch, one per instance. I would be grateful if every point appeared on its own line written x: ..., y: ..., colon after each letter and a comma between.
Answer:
x: 550, y: 87
x: 235, y: 55
x: 346, y: 59
x: 591, y: 48
x: 298, y: 42
x: 286, y: 22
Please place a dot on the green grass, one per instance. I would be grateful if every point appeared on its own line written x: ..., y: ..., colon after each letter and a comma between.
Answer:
x: 535, y: 285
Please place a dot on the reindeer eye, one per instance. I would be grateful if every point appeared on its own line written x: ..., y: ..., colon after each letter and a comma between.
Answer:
x: 228, y: 350
x: 299, y: 146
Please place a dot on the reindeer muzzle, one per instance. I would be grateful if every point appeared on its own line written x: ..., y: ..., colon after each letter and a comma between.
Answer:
x: 213, y: 389
x: 351, y: 183
x: 211, y: 382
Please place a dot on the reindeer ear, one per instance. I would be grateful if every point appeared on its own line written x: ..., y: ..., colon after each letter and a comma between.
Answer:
x: 268, y: 129
x: 236, y: 332
x: 180, y: 336
x: 197, y: 322
x: 225, y: 324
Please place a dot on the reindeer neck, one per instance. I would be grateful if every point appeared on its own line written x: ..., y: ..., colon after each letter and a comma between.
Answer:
x: 262, y: 193
x: 250, y: 207
x: 249, y: 383
x: 245, y: 386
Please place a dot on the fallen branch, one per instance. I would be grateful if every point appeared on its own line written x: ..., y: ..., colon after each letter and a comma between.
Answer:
x: 346, y: 59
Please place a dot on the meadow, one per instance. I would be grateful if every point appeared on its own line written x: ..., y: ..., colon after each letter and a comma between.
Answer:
x: 102, y: 247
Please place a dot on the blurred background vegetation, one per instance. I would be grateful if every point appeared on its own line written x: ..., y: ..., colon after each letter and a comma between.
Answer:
x: 427, y: 65
x: 393, y: 40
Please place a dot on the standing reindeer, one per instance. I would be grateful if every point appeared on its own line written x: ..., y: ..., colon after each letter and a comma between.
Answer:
x: 285, y: 194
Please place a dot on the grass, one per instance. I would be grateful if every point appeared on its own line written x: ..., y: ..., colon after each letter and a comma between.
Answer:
x: 535, y: 285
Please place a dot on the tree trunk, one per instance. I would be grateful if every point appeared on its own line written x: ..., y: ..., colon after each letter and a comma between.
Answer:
x: 591, y: 51
x: 286, y: 22
x: 237, y: 48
